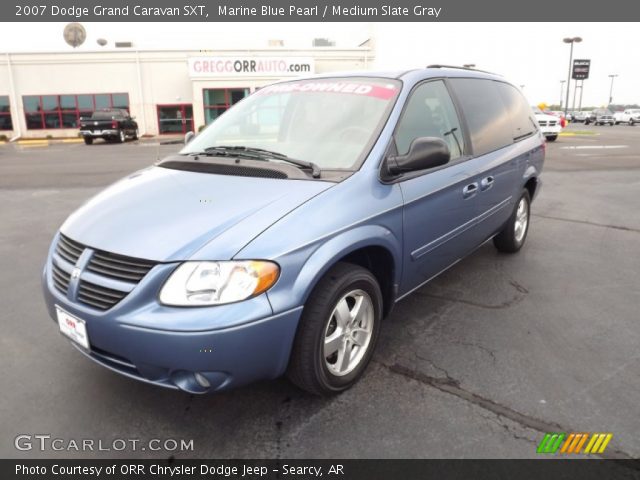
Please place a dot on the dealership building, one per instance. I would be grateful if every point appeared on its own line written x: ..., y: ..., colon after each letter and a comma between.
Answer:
x: 168, y: 92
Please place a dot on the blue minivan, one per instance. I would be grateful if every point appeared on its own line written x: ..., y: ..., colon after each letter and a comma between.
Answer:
x: 278, y: 239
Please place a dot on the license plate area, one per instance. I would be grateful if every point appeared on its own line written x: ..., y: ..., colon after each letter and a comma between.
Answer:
x: 73, y: 328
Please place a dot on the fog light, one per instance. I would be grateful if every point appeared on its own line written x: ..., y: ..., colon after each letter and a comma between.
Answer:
x: 202, y: 380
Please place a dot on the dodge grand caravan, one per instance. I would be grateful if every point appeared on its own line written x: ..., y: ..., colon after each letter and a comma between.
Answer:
x: 278, y: 239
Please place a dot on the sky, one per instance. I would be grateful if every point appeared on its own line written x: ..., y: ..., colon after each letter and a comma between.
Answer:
x: 531, y: 55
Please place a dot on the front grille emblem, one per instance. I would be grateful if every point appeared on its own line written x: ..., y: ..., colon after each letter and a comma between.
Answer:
x: 75, y: 273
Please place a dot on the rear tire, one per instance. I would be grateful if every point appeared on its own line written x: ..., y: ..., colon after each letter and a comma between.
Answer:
x: 338, y: 331
x: 136, y: 134
x: 512, y: 237
x: 88, y: 140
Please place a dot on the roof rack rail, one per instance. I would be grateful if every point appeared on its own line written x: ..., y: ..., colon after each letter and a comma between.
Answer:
x: 461, y: 68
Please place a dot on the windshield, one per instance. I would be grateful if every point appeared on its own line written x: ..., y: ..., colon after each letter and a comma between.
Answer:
x: 328, y: 122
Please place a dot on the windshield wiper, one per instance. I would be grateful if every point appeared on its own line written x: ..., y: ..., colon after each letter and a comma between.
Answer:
x: 258, y: 154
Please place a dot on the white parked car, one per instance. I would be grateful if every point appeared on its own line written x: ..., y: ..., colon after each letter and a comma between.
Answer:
x: 550, y: 125
x: 630, y: 116
x: 580, y: 116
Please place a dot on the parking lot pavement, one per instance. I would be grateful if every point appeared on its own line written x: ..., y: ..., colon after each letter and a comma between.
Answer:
x: 479, y: 363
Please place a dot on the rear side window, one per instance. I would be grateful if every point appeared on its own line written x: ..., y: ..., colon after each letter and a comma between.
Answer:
x: 430, y: 113
x: 522, y: 121
x: 488, y: 120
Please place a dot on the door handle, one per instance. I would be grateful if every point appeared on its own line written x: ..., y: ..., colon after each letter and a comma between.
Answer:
x: 470, y: 190
x: 486, y: 183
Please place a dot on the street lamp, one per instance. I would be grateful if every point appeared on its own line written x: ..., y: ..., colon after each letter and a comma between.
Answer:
x: 570, y: 40
x: 611, y: 89
x: 562, y: 82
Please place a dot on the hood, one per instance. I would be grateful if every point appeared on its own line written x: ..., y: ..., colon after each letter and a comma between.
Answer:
x: 169, y: 215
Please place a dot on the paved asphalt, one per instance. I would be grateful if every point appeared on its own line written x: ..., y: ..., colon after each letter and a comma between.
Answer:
x: 479, y: 363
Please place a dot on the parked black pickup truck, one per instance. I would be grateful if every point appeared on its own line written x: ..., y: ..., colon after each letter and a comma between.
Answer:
x: 111, y: 124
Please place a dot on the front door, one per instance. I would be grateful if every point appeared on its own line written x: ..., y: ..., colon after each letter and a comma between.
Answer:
x: 439, y: 205
x: 176, y: 119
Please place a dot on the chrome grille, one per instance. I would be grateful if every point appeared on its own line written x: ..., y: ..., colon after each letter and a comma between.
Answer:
x: 102, y: 298
x: 119, y: 267
x: 69, y: 250
x: 60, y: 279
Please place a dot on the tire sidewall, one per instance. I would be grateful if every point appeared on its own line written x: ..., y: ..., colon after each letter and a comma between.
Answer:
x: 365, y: 281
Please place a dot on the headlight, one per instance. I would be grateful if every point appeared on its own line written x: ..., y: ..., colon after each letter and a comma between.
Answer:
x: 215, y: 283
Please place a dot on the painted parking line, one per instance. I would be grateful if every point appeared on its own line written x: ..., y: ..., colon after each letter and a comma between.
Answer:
x: 584, y: 147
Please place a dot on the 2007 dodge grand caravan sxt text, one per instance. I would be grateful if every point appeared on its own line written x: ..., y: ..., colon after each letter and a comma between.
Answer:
x: 279, y: 238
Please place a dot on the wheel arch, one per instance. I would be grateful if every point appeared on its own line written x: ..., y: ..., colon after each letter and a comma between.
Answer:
x: 531, y: 181
x: 373, y: 247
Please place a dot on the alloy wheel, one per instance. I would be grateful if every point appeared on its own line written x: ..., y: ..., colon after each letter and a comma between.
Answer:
x: 348, y: 333
x: 522, y: 220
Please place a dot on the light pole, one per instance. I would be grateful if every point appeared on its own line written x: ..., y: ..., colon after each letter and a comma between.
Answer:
x: 570, y: 40
x: 562, y: 82
x: 611, y: 89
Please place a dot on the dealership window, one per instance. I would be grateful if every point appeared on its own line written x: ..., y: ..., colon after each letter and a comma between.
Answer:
x: 65, y: 111
x: 175, y: 118
x: 5, y: 114
x: 218, y: 100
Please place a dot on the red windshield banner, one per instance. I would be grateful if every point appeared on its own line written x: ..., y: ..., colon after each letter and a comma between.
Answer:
x: 384, y: 92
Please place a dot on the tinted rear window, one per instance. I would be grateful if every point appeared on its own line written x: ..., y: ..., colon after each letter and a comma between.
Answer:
x: 106, y: 115
x: 487, y: 118
x: 522, y: 120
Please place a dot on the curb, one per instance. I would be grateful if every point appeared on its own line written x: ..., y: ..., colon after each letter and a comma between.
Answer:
x: 578, y: 134
x: 41, y: 142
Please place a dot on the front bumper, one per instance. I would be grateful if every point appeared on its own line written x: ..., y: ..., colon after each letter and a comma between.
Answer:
x: 229, y: 345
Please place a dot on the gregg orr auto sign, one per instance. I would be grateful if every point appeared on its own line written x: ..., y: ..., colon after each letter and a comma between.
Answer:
x: 250, y: 66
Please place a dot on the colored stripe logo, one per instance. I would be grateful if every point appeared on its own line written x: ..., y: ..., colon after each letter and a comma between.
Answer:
x: 596, y: 443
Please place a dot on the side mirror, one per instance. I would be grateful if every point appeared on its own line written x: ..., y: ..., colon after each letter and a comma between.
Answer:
x: 188, y: 137
x: 424, y: 152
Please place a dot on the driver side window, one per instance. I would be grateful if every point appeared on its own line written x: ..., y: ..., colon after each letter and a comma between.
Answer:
x: 430, y: 113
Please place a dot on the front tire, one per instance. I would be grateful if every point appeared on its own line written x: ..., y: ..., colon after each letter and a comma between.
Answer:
x: 121, y: 136
x: 88, y: 140
x: 337, y: 332
x: 552, y: 138
x: 512, y: 237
